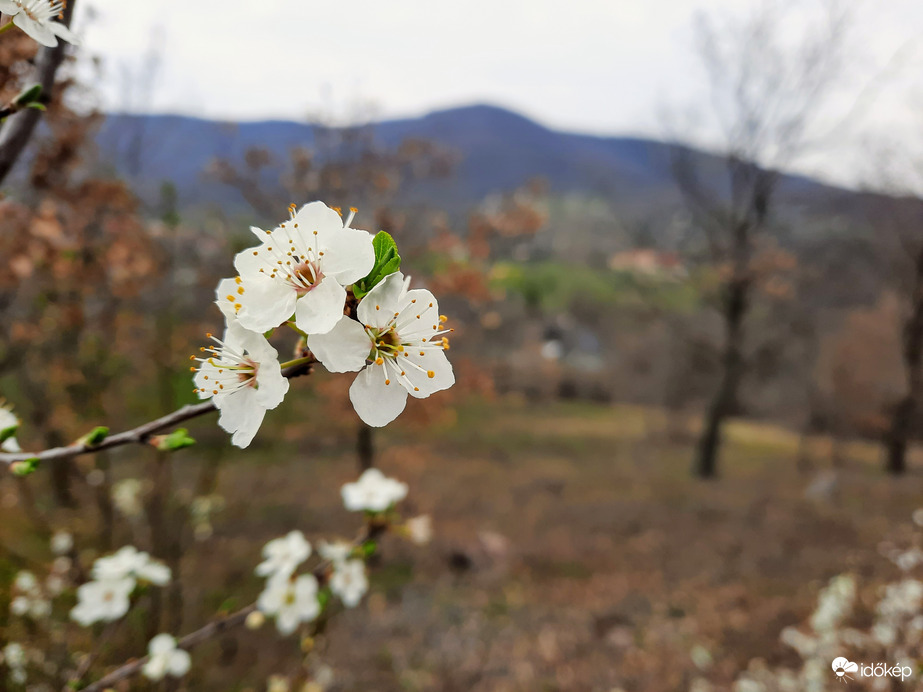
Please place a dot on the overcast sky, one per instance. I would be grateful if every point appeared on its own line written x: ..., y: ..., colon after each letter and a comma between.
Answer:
x: 594, y: 66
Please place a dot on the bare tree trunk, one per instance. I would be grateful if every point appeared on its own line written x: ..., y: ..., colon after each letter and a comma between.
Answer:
x: 902, y: 421
x: 725, y: 399
x: 365, y: 447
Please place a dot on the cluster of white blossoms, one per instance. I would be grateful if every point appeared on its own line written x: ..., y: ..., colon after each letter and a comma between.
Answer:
x: 164, y: 658
x: 895, y: 634
x: 339, y: 288
x: 296, y: 599
x: 29, y: 599
x: 107, y: 597
x: 36, y: 18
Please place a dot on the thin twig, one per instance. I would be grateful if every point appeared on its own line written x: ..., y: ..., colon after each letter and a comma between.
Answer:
x: 139, y: 435
x: 18, y: 128
x: 216, y: 627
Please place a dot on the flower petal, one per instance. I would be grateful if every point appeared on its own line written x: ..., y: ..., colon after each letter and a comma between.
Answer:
x: 344, y: 348
x: 319, y: 310
x: 179, y: 663
x: 271, y: 385
x: 317, y: 216
x: 379, y: 305
x: 38, y: 31
x: 265, y: 304
x: 349, y: 255
x: 418, y: 371
x: 9, y: 7
x: 161, y: 644
x: 63, y: 32
x: 377, y: 403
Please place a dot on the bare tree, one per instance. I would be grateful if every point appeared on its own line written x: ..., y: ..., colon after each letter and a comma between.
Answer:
x: 764, y: 95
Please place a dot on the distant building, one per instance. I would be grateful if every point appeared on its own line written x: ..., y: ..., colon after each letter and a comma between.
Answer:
x: 649, y: 262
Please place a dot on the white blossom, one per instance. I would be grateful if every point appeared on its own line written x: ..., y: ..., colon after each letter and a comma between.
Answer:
x: 373, y: 492
x: 62, y: 543
x: 9, y: 423
x: 420, y: 529
x: 126, y: 495
x: 165, y: 659
x: 291, y: 601
x: 129, y: 562
x: 301, y: 267
x: 29, y: 600
x: 335, y: 552
x: 102, y: 601
x: 36, y: 18
x: 398, y: 334
x: 243, y: 377
x: 14, y: 656
x: 349, y: 582
x: 283, y: 555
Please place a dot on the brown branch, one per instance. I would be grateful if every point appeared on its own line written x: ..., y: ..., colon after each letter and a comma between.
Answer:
x: 18, y: 128
x: 140, y: 435
x: 216, y: 627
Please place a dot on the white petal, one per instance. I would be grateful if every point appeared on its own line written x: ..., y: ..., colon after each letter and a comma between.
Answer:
x: 379, y: 305
x: 287, y: 621
x: 9, y: 7
x: 179, y: 663
x: 41, y: 33
x: 271, y: 385
x: 65, y: 33
x: 318, y: 311
x: 344, y: 348
x: 227, y: 289
x: 241, y: 415
x: 433, y: 361
x: 348, y: 255
x: 377, y: 403
x: 155, y: 668
x: 10, y: 445
x: 424, y: 326
x: 317, y: 216
x: 161, y: 644
x: 265, y: 303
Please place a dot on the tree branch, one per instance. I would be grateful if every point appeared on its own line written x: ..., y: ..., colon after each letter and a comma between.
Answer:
x: 140, y: 435
x: 17, y: 129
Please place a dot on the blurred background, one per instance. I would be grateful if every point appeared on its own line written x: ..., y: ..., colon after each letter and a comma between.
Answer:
x: 681, y: 246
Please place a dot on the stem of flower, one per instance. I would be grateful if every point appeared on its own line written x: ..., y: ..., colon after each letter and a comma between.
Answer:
x: 6, y: 27
x: 291, y: 324
x: 298, y: 361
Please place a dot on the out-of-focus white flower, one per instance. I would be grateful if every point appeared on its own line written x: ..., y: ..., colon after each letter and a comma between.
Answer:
x: 373, y: 492
x: 908, y: 559
x: 126, y: 495
x: 14, y: 657
x: 918, y: 517
x: 129, y: 562
x: 62, y: 543
x: 834, y: 603
x: 244, y: 379
x: 61, y: 565
x: 9, y: 424
x: 278, y: 683
x: 102, y: 601
x: 36, y: 19
x: 54, y: 584
x: 420, y: 529
x: 337, y: 552
x: 28, y: 600
x: 349, y: 582
x: 255, y: 620
x: 398, y: 334
x: 290, y: 601
x: 301, y: 268
x: 283, y: 555
x: 165, y: 659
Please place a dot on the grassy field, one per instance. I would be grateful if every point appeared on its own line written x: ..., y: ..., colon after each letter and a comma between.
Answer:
x: 572, y: 550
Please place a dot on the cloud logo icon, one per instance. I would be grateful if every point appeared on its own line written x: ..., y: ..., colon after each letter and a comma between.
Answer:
x: 841, y: 666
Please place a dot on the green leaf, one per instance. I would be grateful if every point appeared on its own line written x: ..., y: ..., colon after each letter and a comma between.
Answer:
x: 95, y: 436
x: 369, y: 548
x: 387, y: 261
x: 29, y: 95
x: 37, y: 106
x: 177, y: 439
x: 7, y: 433
x: 25, y: 467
